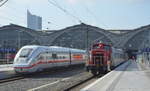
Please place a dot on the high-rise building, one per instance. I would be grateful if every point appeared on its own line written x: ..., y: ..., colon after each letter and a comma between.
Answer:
x: 34, y: 21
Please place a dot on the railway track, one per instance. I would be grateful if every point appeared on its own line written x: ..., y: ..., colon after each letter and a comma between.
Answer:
x: 14, y: 78
x: 71, y: 88
x: 46, y: 71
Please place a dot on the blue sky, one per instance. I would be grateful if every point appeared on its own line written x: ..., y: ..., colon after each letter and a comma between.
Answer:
x: 106, y: 14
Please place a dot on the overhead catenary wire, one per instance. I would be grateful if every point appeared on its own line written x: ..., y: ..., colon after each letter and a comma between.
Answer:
x: 53, y: 3
x: 10, y: 19
x: 90, y: 13
x: 3, y: 2
x: 64, y: 10
x: 6, y: 16
x: 72, y: 15
x: 73, y: 10
x: 15, y: 10
x: 20, y: 18
x: 93, y: 15
x: 14, y: 15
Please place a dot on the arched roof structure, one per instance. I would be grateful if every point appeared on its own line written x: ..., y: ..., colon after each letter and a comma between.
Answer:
x: 76, y: 36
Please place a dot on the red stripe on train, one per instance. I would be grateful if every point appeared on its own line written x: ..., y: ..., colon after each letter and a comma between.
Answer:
x: 42, y: 62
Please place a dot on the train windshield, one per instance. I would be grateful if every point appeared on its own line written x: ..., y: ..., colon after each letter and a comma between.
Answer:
x: 97, y: 46
x: 107, y: 48
x: 25, y: 52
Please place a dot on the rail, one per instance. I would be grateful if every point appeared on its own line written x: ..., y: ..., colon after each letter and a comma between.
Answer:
x: 82, y: 82
x: 17, y: 77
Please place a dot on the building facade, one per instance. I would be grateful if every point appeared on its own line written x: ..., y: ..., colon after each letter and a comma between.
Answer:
x: 33, y: 21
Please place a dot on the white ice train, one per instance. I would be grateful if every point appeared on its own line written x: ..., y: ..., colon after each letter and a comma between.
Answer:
x: 34, y: 58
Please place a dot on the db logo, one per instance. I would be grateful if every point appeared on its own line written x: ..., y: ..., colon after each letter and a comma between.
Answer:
x: 2, y: 2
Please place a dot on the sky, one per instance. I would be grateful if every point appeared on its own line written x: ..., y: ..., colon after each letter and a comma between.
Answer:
x: 106, y: 14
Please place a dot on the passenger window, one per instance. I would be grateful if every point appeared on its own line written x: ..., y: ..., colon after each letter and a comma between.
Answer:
x: 64, y: 57
x: 54, y: 56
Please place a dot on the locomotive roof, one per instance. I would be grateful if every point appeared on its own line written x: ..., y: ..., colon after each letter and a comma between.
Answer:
x: 102, y: 44
x: 54, y: 48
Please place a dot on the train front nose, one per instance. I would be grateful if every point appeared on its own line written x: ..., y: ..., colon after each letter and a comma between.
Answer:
x: 22, y: 60
x: 21, y: 65
x: 20, y: 68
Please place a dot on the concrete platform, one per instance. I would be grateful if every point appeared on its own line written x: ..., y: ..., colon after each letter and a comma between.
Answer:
x: 6, y: 71
x: 127, y: 77
x: 7, y: 67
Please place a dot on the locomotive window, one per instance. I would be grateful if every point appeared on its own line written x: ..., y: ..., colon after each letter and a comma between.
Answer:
x: 96, y: 46
x: 107, y: 48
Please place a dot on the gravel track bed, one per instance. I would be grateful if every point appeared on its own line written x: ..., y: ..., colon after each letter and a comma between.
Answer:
x: 73, y: 76
x: 78, y: 88
x: 62, y: 85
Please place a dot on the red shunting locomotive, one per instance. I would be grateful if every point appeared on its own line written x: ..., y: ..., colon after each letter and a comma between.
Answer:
x: 103, y: 57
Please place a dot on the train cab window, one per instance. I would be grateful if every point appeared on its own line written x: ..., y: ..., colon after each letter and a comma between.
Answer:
x: 96, y: 47
x: 25, y: 52
x: 107, y: 48
x: 40, y: 57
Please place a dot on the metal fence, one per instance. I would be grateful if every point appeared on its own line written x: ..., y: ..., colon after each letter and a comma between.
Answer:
x: 6, y: 61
